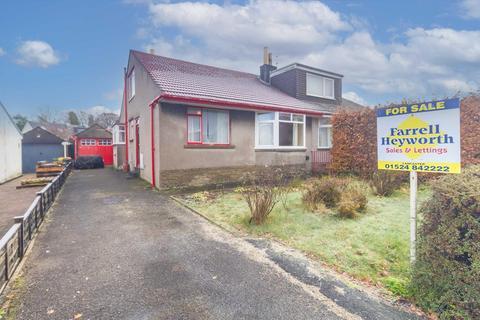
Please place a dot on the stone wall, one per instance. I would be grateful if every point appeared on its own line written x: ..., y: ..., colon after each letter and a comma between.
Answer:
x: 214, y: 178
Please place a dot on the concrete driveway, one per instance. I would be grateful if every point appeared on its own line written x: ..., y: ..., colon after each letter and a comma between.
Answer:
x: 112, y: 249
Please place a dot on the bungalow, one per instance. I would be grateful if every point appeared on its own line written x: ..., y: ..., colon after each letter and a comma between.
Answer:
x: 192, y: 124
x: 10, y: 147
x: 94, y: 141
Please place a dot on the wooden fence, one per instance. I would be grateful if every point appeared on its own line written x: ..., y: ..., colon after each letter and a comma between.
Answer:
x: 15, y: 242
x: 320, y: 160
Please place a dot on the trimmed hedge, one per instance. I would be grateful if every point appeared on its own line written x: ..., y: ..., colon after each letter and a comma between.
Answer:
x: 354, y: 138
x: 446, y: 276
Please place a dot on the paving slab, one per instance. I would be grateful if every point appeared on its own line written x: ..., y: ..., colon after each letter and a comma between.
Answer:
x: 14, y: 202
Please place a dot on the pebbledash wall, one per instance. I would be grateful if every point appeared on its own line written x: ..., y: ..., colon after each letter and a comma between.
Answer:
x: 192, y: 165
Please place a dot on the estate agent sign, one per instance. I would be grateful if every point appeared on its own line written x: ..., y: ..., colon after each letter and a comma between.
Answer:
x: 420, y: 137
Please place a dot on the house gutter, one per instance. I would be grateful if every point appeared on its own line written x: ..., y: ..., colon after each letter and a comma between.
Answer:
x: 239, y: 105
x: 152, y: 129
x: 125, y: 104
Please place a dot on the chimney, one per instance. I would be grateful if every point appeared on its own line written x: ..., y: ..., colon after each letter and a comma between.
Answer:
x: 267, y: 67
x: 151, y: 51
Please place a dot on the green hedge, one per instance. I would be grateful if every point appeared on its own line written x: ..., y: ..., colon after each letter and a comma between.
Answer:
x: 446, y: 276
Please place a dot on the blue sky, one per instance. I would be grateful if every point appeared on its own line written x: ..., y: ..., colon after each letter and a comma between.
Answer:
x: 65, y: 55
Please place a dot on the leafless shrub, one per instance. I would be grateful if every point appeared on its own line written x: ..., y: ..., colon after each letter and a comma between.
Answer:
x: 262, y: 190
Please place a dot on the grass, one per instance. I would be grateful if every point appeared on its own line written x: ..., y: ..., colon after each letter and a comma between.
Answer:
x: 372, y: 248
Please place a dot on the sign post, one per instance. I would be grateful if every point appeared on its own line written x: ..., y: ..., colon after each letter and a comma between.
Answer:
x: 421, y: 137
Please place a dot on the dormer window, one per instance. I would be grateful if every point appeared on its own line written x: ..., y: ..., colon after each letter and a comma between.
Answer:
x: 318, y: 86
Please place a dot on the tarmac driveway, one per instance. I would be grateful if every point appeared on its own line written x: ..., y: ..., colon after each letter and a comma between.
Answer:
x: 112, y: 249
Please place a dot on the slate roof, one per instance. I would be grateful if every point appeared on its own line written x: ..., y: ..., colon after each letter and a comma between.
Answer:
x: 39, y: 135
x: 191, y: 80
x: 95, y: 131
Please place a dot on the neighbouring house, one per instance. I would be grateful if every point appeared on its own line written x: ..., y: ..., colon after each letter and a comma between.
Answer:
x: 94, y: 141
x: 189, y: 124
x: 40, y: 145
x: 10, y: 147
x: 118, y: 135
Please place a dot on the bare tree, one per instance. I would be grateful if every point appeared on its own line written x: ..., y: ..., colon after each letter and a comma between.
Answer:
x: 106, y: 120
x: 47, y: 115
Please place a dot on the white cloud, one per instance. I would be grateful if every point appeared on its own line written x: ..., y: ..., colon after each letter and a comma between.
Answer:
x: 471, y: 9
x: 37, y: 53
x: 115, y: 95
x: 419, y: 62
x: 2, y: 52
x: 96, y: 110
x: 351, y: 95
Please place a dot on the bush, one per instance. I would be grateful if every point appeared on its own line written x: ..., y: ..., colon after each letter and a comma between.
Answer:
x: 447, y: 271
x: 326, y: 191
x: 384, y: 183
x: 353, y: 201
x: 262, y: 190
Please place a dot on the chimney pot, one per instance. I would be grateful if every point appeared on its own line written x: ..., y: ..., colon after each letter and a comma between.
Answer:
x: 152, y: 51
x: 265, y: 55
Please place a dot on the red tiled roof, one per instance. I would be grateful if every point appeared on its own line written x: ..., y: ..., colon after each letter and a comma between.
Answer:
x: 187, y: 80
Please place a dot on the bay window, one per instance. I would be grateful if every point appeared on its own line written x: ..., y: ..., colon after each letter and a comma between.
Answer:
x: 280, y: 130
x: 208, y: 126
x: 324, y: 133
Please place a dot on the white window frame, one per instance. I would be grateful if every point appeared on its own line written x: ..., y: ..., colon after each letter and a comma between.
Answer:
x: 88, y: 142
x: 323, y: 80
x: 131, y: 84
x: 276, y: 132
x: 199, y: 113
x: 105, y: 142
x: 117, y: 129
x: 329, y: 134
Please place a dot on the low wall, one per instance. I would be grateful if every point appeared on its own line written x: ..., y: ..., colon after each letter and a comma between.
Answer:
x: 211, y: 178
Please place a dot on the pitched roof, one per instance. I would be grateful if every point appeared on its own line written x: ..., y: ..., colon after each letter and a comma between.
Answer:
x: 39, y: 135
x: 189, y: 80
x: 59, y: 129
x: 9, y: 117
x: 95, y: 131
x: 351, y: 105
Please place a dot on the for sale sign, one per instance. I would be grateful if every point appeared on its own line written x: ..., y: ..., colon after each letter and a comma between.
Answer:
x: 420, y: 137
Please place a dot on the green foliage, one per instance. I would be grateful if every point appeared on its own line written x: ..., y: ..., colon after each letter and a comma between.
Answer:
x: 397, y: 286
x: 353, y: 201
x: 20, y: 121
x: 73, y: 118
x: 447, y: 272
x: 384, y: 182
x: 326, y: 190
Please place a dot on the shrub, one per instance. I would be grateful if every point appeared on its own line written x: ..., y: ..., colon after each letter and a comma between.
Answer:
x: 327, y: 191
x: 262, y: 190
x: 447, y: 271
x: 384, y: 183
x: 353, y: 201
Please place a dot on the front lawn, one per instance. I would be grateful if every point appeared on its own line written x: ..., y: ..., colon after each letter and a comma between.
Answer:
x: 374, y: 247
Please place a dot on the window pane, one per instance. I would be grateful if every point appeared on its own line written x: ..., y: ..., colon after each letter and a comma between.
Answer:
x: 325, y: 137
x: 193, y: 129
x: 266, y: 116
x: 194, y: 111
x: 215, y: 126
x: 329, y: 88
x: 298, y: 134
x: 314, y: 85
x: 290, y: 134
x: 298, y: 117
x: 324, y: 121
x: 265, y: 134
x: 285, y: 116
